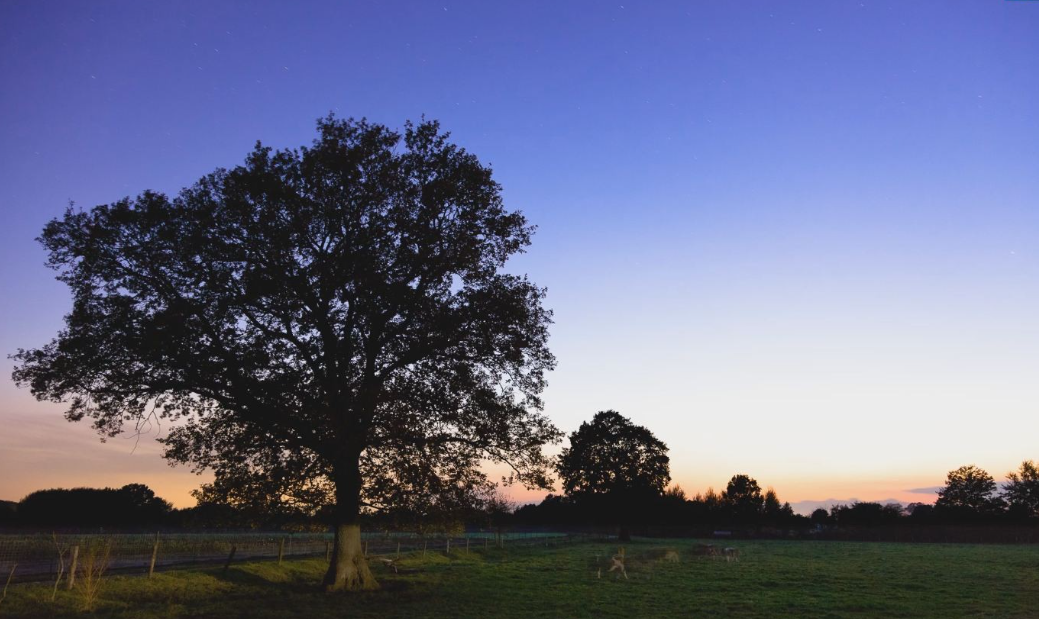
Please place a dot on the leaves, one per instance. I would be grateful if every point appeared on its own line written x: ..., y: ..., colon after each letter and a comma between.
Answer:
x: 310, y: 317
x: 612, y: 455
x: 1021, y: 491
x: 969, y: 490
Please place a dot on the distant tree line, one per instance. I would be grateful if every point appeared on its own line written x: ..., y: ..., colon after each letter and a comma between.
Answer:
x: 136, y: 507
x: 130, y: 506
x: 614, y: 474
x: 970, y: 496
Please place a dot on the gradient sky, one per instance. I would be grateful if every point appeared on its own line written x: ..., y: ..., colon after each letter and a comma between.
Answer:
x: 795, y: 239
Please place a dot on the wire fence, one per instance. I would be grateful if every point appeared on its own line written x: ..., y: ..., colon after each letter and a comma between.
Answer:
x: 43, y: 556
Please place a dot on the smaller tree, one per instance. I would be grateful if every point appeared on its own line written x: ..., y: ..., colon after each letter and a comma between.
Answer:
x: 497, y: 512
x: 920, y: 512
x: 969, y: 491
x: 615, y: 465
x: 142, y: 501
x: 1021, y: 492
x: 676, y: 493
x: 866, y: 514
x: 743, y: 497
x: 8, y: 512
x: 772, y: 504
x: 775, y: 512
x: 820, y: 517
x: 711, y: 499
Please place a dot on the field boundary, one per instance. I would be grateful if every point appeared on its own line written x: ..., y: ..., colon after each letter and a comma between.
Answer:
x: 40, y: 557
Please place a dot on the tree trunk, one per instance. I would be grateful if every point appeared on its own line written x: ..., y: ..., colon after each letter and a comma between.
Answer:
x: 348, y: 570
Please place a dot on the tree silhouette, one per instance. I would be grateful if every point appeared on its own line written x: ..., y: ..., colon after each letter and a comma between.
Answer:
x: 1021, y: 491
x: 920, y: 512
x: 866, y: 513
x: 323, y: 325
x: 8, y: 512
x: 775, y: 511
x: 968, y: 491
x: 132, y: 505
x: 614, y: 464
x: 743, y: 496
x: 610, y: 454
x: 820, y: 516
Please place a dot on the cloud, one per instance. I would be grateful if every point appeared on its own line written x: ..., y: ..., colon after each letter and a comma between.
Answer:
x: 924, y: 490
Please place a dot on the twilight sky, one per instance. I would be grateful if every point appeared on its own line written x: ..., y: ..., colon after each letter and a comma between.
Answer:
x: 795, y: 239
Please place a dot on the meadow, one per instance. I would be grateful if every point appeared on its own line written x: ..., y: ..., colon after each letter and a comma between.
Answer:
x: 772, y: 579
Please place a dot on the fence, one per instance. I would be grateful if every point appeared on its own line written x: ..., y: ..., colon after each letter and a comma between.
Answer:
x: 39, y: 556
x: 906, y: 532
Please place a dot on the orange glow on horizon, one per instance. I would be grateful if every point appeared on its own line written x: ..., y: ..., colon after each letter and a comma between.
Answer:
x: 40, y: 449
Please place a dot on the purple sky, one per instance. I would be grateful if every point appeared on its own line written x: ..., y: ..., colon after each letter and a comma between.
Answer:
x: 795, y: 239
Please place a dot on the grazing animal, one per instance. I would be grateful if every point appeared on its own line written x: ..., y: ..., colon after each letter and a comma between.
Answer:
x: 390, y: 563
x: 706, y: 550
x: 731, y: 554
x: 616, y: 565
x: 667, y: 555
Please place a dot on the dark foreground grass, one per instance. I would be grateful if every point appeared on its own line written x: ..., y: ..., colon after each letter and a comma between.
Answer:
x: 773, y: 580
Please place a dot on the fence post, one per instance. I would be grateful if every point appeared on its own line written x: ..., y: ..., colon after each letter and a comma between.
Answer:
x: 155, y: 555
x: 72, y: 568
x: 398, y: 549
x: 229, y: 557
x: 365, y: 549
x: 448, y: 551
x: 467, y: 544
x: 424, y: 544
x: 328, y: 551
x: 8, y: 583
x: 281, y: 550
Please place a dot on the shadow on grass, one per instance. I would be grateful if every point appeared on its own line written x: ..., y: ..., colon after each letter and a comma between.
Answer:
x: 296, y: 579
x: 248, y: 576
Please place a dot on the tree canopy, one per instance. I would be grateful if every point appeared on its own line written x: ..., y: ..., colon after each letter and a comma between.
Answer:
x: 1021, y: 492
x: 328, y: 325
x: 612, y: 455
x: 743, y: 494
x: 969, y: 490
x: 866, y: 513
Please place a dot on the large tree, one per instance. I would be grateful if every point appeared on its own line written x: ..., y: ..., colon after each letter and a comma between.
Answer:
x: 614, y: 466
x: 329, y: 324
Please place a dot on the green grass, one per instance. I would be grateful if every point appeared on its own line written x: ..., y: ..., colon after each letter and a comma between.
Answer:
x: 773, y: 579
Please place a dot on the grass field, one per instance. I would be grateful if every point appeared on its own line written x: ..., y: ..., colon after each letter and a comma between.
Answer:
x: 773, y: 579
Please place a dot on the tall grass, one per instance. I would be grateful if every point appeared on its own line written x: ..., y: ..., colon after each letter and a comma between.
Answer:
x: 94, y: 563
x: 62, y: 549
x: 3, y: 596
